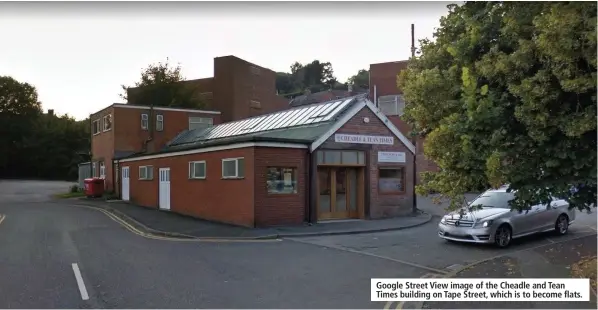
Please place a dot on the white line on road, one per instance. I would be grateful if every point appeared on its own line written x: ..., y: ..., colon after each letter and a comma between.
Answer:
x: 80, y: 283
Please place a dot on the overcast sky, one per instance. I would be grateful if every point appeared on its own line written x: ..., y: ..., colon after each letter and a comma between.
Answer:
x: 78, y: 54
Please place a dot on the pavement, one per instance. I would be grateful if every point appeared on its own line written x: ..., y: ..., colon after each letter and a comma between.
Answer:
x: 41, y: 239
x: 173, y: 224
x: 553, y: 260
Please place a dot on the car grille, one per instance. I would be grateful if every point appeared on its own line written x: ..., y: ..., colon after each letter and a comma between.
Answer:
x: 462, y: 223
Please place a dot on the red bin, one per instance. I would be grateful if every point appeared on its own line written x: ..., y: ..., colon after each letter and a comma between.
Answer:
x: 94, y: 187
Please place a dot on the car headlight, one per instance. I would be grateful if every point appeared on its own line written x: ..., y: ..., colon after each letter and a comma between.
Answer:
x: 443, y: 220
x: 486, y: 223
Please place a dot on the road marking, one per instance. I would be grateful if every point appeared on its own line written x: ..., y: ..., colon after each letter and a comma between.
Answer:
x: 2, y: 217
x: 138, y: 232
x: 80, y: 283
x: 372, y: 255
x: 401, y: 304
x: 550, y: 240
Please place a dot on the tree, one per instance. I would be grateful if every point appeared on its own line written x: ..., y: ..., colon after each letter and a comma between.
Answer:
x: 161, y: 85
x: 506, y: 94
x: 34, y: 144
x: 315, y: 76
x: 19, y: 107
x: 361, y: 79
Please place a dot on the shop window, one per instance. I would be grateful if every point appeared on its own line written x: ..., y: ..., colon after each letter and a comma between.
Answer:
x: 197, y: 170
x: 391, y: 180
x: 341, y: 158
x: 146, y: 173
x: 233, y: 168
x: 281, y: 180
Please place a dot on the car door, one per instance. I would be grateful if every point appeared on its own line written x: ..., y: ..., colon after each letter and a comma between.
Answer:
x: 538, y: 217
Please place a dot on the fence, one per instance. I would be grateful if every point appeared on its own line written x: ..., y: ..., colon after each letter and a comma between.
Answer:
x: 84, y: 173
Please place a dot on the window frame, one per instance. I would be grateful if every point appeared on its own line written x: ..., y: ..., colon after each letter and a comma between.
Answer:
x: 403, y: 170
x: 102, y: 170
x: 146, y: 168
x: 294, y: 180
x: 144, y: 118
x: 159, y: 120
x: 236, y: 160
x: 192, y: 175
x: 93, y: 125
x: 209, y: 124
x: 104, y: 122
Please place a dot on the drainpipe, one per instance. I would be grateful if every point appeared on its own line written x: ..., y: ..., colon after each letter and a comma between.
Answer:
x: 308, y: 187
x: 375, y: 97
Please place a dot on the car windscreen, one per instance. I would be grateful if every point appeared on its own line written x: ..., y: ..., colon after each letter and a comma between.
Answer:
x: 494, y: 200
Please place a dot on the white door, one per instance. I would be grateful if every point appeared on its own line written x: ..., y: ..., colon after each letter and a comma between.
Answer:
x: 125, y: 183
x: 165, y: 188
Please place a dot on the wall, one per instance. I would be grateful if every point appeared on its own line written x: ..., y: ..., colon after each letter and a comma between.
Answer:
x: 102, y: 145
x: 214, y: 198
x: 380, y: 205
x: 238, y: 83
x: 280, y: 209
x: 130, y: 136
x: 384, y: 76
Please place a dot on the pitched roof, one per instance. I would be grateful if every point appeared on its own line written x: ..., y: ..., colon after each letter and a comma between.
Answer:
x: 308, y: 125
x: 304, y: 123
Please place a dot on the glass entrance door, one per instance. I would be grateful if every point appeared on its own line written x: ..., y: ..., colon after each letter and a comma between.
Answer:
x: 337, y: 193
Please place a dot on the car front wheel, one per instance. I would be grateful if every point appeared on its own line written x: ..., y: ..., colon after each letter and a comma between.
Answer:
x: 562, y: 224
x: 502, y: 236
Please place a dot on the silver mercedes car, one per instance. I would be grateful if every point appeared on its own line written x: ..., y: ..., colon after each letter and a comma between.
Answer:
x: 494, y: 221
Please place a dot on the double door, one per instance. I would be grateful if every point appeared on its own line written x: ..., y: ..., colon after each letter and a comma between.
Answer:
x: 340, y: 194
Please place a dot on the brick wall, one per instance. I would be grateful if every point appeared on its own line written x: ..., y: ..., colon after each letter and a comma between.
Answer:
x: 213, y: 198
x: 380, y: 205
x: 280, y: 209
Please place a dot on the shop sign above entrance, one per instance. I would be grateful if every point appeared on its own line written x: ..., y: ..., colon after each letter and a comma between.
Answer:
x: 362, y: 139
x: 391, y: 157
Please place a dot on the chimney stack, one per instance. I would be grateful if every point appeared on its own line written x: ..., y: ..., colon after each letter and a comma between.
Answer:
x: 51, y: 112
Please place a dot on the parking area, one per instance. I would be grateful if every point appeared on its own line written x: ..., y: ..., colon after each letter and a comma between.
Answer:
x: 422, y: 246
x: 24, y: 191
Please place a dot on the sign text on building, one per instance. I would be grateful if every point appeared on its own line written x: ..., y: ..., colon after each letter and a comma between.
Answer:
x: 362, y: 139
x: 391, y: 157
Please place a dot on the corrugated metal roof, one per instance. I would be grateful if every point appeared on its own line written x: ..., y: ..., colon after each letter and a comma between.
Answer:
x: 279, y: 123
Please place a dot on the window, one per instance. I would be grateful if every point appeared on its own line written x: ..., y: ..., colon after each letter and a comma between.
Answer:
x: 107, y: 122
x: 144, y: 121
x: 281, y: 180
x: 494, y: 200
x: 391, y: 180
x: 146, y: 173
x: 96, y: 127
x: 341, y: 158
x: 200, y: 122
x: 233, y: 168
x: 197, y: 170
x: 102, y: 170
x: 159, y: 122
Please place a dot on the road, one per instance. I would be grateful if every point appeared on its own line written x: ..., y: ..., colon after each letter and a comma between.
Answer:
x: 42, y: 239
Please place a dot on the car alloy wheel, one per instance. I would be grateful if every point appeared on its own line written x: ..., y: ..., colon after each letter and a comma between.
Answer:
x: 502, y: 236
x: 562, y: 225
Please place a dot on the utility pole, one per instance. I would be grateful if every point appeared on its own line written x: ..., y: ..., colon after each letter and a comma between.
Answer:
x: 414, y: 139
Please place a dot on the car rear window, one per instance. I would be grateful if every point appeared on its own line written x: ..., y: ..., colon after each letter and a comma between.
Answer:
x: 494, y: 200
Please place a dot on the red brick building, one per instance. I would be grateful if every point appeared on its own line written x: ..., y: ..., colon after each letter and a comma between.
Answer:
x: 333, y: 160
x: 386, y: 95
x: 238, y: 90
